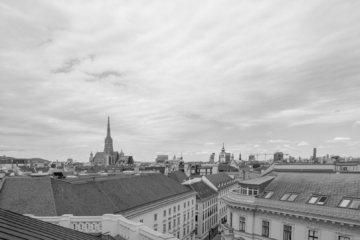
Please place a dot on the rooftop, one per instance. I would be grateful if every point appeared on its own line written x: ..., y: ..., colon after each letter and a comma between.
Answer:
x: 257, y: 181
x: 202, y: 190
x: 51, y: 197
x: 219, y: 179
x: 17, y: 226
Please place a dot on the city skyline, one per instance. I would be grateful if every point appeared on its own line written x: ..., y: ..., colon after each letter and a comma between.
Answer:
x: 179, y: 77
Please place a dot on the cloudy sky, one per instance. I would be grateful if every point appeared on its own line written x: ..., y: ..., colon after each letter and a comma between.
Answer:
x: 179, y: 76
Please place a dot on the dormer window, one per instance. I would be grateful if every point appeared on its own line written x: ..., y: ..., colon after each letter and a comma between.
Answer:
x: 290, y: 197
x: 318, y: 200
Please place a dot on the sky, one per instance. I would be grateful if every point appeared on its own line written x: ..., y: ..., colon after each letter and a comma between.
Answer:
x: 179, y: 77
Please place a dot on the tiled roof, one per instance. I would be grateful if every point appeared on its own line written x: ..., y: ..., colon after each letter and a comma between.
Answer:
x: 257, y: 181
x: 27, y: 195
x: 178, y: 176
x: 160, y: 169
x: 17, y: 226
x: 336, y: 186
x: 219, y: 180
x: 202, y: 190
x: 227, y: 167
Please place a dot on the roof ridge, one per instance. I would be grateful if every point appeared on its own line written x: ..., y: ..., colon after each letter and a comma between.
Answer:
x: 52, y: 196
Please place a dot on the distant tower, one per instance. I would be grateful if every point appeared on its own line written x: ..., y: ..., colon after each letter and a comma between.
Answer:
x: 212, y: 158
x: 91, y: 157
x: 222, y: 155
x: 240, y: 156
x: 108, y: 148
x: 314, y: 155
x: 232, y: 157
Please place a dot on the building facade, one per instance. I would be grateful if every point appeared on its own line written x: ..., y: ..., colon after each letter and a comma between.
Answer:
x: 294, y: 205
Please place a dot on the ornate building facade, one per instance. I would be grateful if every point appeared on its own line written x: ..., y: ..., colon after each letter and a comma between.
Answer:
x: 294, y: 205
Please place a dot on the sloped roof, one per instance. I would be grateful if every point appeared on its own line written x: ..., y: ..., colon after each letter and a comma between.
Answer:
x: 257, y: 181
x: 27, y: 195
x: 160, y: 169
x: 99, y: 156
x: 51, y: 197
x: 111, y: 196
x: 218, y: 179
x: 202, y: 190
x: 17, y: 226
x: 227, y: 167
x: 336, y: 186
x: 178, y: 176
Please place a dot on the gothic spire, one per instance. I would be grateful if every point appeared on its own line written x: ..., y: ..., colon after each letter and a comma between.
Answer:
x: 108, y: 128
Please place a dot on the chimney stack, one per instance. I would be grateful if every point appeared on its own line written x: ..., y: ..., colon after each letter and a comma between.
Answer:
x: 314, y: 155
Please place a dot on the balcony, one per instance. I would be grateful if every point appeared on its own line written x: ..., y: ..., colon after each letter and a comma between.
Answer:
x: 234, y: 197
x: 227, y: 232
x: 108, y: 224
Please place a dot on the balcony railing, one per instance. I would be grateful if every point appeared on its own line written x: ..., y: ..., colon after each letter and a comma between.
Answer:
x: 235, y: 197
x: 108, y: 224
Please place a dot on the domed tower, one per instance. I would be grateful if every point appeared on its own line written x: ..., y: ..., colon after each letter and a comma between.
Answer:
x: 222, y: 155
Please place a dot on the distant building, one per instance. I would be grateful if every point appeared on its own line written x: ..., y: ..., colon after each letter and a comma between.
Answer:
x: 161, y: 158
x: 278, y: 156
x: 222, y: 155
x: 252, y: 157
x: 212, y: 158
x: 109, y: 156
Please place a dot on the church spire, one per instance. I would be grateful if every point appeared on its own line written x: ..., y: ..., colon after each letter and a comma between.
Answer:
x: 108, y: 147
x: 223, y: 148
x: 108, y: 128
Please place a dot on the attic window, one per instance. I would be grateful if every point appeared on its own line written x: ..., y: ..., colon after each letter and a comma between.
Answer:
x: 268, y: 194
x: 290, y: 197
x: 318, y: 200
x: 350, y: 203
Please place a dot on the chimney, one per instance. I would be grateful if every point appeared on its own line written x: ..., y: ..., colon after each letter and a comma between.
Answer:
x: 314, y: 155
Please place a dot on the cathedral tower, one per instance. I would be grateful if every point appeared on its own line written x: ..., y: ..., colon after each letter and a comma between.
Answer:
x: 108, y: 148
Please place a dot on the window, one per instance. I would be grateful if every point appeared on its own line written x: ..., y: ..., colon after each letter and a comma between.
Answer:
x: 318, y: 200
x: 188, y: 203
x: 313, y: 235
x: 313, y: 199
x: 184, y: 231
x: 178, y: 234
x: 164, y: 229
x: 142, y: 220
x: 169, y: 225
x: 290, y: 197
x: 196, y: 217
x: 169, y: 211
x: 265, y: 228
x: 350, y: 203
x: 231, y: 217
x: 184, y: 217
x: 321, y: 200
x: 174, y: 209
x: 268, y: 194
x: 188, y: 215
x: 184, y: 204
x: 164, y: 213
x: 355, y: 204
x: 192, y: 213
x: 344, y: 238
x: 196, y: 207
x: 287, y: 232
x: 155, y: 216
x: 179, y: 207
x: 192, y: 202
x: 178, y: 220
x: 242, y: 224
x: 174, y: 222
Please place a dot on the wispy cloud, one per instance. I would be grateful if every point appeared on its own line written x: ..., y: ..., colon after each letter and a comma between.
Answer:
x: 275, y: 77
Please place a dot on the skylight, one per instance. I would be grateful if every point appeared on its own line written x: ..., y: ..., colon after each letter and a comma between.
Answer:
x: 268, y: 194
x: 318, y: 200
x: 290, y: 197
x: 350, y: 203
